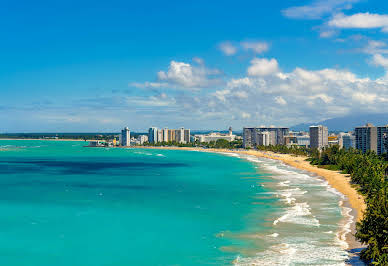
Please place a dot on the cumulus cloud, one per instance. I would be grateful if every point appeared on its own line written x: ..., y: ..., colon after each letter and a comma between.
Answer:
x: 228, y: 48
x: 257, y: 47
x: 380, y: 60
x: 267, y: 95
x: 263, y: 67
x: 297, y: 96
x: 280, y: 100
x: 360, y: 21
x: 375, y: 47
x: 181, y: 75
x: 317, y: 9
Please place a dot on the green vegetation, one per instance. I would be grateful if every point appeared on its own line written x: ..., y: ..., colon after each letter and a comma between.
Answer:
x: 296, y: 150
x: 170, y: 143
x: 368, y: 171
x: 219, y: 144
x: 223, y: 144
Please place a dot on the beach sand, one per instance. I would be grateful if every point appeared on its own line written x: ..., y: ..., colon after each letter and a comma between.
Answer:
x: 337, y: 180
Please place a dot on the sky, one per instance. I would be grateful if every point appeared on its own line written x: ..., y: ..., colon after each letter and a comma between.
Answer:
x: 98, y: 66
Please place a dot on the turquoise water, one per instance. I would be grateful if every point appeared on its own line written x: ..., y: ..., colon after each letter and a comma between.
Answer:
x: 63, y: 204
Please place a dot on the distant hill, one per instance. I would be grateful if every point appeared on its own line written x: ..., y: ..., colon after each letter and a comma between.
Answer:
x: 347, y: 123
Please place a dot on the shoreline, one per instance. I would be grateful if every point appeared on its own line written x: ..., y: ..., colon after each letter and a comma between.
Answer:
x: 51, y: 139
x: 335, y: 179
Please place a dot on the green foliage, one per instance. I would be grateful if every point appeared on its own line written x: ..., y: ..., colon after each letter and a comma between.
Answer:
x: 296, y: 150
x: 373, y: 229
x: 367, y: 171
x: 170, y: 143
x: 219, y: 144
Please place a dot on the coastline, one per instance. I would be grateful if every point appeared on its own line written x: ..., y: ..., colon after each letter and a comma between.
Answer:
x: 50, y: 139
x: 335, y: 179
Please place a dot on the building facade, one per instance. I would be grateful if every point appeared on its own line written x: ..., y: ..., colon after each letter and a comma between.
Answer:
x: 156, y: 135
x: 381, y: 133
x: 153, y: 135
x: 366, y: 138
x: 214, y: 136
x: 125, y: 137
x: 142, y: 139
x: 253, y: 135
x: 346, y: 140
x: 318, y: 137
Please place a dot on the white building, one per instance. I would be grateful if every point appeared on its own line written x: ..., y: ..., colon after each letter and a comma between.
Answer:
x: 215, y: 136
x: 319, y: 137
x: 164, y: 135
x: 266, y: 138
x: 303, y: 140
x: 142, y: 139
x: 125, y: 137
x: 182, y: 135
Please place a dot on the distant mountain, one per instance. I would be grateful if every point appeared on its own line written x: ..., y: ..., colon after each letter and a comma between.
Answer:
x: 347, y: 123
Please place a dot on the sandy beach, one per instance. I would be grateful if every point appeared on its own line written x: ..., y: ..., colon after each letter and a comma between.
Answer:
x: 337, y: 180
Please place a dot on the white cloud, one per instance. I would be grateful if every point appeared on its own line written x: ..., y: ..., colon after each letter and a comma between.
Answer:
x: 317, y: 9
x: 245, y: 115
x: 375, y: 47
x: 267, y: 94
x: 263, y: 67
x: 257, y: 47
x: 327, y: 33
x: 380, y: 60
x: 182, y: 75
x: 364, y: 97
x: 228, y: 48
x: 280, y: 100
x: 360, y: 21
x: 198, y: 60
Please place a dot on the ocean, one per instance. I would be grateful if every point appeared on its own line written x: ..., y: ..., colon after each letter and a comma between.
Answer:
x: 65, y: 204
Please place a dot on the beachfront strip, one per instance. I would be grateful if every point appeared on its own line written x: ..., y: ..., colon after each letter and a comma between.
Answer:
x: 364, y: 138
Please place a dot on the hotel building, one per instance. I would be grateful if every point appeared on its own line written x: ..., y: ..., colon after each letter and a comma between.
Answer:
x: 318, y: 137
x: 214, y: 136
x: 253, y: 136
x: 181, y: 135
x: 346, y: 140
x: 125, y: 137
x: 153, y: 135
x: 382, y: 132
x: 366, y: 138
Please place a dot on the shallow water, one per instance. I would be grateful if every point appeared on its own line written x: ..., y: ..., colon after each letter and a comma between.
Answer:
x: 63, y: 204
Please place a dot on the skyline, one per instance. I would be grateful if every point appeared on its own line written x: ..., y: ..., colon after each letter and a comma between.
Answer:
x: 93, y: 66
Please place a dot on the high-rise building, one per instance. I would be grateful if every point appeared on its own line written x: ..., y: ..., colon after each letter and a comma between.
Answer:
x: 153, y: 135
x: 160, y: 135
x: 346, y: 140
x: 142, y: 139
x: 266, y: 138
x: 168, y: 135
x: 171, y: 135
x: 182, y: 135
x: 186, y: 137
x: 165, y: 135
x: 252, y: 135
x: 125, y: 137
x: 318, y: 137
x: 366, y: 138
x: 381, y: 133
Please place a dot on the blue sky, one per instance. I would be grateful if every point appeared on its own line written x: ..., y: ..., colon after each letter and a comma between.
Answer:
x: 86, y: 66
